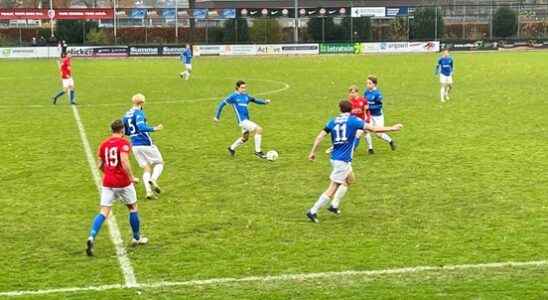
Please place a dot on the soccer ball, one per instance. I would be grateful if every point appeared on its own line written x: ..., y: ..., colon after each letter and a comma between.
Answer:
x: 272, y: 155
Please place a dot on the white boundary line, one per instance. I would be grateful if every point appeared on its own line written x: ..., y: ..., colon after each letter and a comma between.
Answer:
x: 285, y: 87
x: 287, y: 277
x: 115, y: 236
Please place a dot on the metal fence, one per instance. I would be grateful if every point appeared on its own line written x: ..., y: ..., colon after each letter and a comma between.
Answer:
x: 446, y: 23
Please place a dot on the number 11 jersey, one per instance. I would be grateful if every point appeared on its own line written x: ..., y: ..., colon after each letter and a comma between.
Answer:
x: 343, y: 131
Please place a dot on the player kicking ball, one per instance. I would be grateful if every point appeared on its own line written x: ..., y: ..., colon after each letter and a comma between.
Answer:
x: 374, y: 101
x: 343, y: 130
x: 146, y: 153
x: 445, y: 70
x: 186, y: 59
x: 118, y: 180
x: 66, y: 77
x: 239, y: 100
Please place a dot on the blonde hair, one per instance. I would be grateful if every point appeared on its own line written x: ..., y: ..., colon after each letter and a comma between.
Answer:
x: 138, y: 98
x: 353, y: 88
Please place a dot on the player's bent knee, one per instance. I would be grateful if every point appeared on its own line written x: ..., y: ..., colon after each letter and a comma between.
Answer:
x: 259, y: 130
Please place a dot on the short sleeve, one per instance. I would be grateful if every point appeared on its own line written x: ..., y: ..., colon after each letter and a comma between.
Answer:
x: 125, y: 147
x: 329, y: 126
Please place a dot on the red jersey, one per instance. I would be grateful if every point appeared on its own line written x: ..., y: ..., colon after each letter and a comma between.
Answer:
x: 114, y: 175
x: 65, y: 68
x: 359, y: 108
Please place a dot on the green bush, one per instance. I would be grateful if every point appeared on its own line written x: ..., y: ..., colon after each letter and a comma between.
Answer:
x: 423, y: 25
x: 97, y: 37
x: 265, y: 31
x: 505, y: 22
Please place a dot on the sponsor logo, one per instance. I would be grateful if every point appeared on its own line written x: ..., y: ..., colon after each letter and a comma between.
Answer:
x: 342, y: 11
x: 143, y: 51
x: 302, y: 12
x: 322, y: 11
x: 253, y: 12
x: 285, y: 11
x: 172, y: 50
x: 6, y: 52
x: 244, y: 12
x: 264, y: 11
x: 274, y: 12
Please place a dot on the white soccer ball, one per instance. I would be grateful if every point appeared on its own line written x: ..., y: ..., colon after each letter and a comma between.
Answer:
x: 272, y: 155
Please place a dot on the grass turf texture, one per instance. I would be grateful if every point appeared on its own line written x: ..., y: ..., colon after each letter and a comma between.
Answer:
x: 468, y: 183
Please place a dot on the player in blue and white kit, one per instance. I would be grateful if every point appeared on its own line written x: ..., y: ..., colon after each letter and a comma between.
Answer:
x: 374, y: 100
x: 239, y: 100
x: 445, y: 69
x: 343, y: 130
x: 186, y: 59
x: 146, y: 153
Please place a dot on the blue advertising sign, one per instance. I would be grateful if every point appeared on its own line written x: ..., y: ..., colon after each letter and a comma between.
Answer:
x: 229, y: 13
x: 199, y: 13
x: 401, y: 11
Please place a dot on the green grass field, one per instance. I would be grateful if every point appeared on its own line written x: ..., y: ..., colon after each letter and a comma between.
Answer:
x: 467, y: 185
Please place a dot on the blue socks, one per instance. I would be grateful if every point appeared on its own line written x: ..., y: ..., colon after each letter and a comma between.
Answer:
x: 96, y: 226
x: 61, y: 93
x: 72, y: 95
x: 134, y: 222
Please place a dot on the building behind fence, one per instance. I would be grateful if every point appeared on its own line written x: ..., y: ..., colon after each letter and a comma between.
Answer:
x: 96, y: 22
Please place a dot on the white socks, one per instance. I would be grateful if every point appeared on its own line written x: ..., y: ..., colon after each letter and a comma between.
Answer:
x: 319, y: 204
x: 156, y: 172
x: 146, y: 179
x: 258, y: 138
x: 369, y: 141
x: 442, y: 93
x: 385, y: 137
x: 339, y: 194
x: 237, y: 144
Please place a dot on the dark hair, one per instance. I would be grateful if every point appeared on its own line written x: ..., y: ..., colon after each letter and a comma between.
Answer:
x: 117, y: 126
x: 373, y: 79
x: 345, y: 106
x: 239, y: 83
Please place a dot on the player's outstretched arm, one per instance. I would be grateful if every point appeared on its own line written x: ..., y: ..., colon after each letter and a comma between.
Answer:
x: 317, y: 141
x: 396, y: 127
x: 219, y: 110
x: 259, y: 101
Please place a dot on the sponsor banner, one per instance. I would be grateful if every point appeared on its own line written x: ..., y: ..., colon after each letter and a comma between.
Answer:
x: 269, y: 49
x: 401, y: 11
x: 204, y: 50
x: 301, y: 49
x: 58, y: 14
x: 199, y: 13
x: 376, y: 12
x: 400, y: 47
x: 240, y: 50
x: 144, y: 51
x: 107, y: 51
x: 171, y: 50
x: 30, y: 52
x: 477, y: 46
x: 340, y: 48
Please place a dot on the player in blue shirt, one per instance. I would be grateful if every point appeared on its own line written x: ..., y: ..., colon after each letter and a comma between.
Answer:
x: 186, y: 59
x: 445, y: 69
x: 375, y: 101
x: 239, y: 100
x: 343, y: 130
x: 146, y: 153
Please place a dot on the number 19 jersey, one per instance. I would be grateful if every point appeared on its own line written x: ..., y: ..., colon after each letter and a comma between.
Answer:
x: 343, y: 131
x: 114, y: 175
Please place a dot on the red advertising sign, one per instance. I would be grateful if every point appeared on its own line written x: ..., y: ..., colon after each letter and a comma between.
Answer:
x: 58, y: 14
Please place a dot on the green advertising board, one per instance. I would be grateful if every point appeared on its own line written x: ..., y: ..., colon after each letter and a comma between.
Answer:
x: 340, y: 48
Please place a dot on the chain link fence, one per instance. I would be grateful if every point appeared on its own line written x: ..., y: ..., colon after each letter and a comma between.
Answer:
x: 167, y: 26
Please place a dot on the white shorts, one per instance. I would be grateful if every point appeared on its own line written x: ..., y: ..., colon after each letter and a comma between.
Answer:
x: 341, y: 170
x: 147, y: 155
x: 126, y: 195
x: 248, y: 126
x: 377, y: 121
x: 446, y: 79
x: 68, y: 83
x: 188, y: 66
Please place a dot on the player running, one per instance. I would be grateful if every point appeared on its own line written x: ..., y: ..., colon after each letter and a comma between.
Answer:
x: 66, y: 77
x: 360, y: 110
x: 343, y: 130
x: 146, y: 153
x: 374, y: 100
x: 239, y: 100
x: 186, y: 59
x: 118, y: 180
x: 445, y: 69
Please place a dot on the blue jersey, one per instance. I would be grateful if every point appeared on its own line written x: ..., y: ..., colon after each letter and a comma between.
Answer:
x: 135, y: 126
x: 445, y: 66
x: 343, y: 131
x: 186, y: 56
x: 239, y: 103
x: 374, y: 100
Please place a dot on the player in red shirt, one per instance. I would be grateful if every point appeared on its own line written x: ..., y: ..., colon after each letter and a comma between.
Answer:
x: 118, y: 180
x: 66, y: 77
x: 360, y: 109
